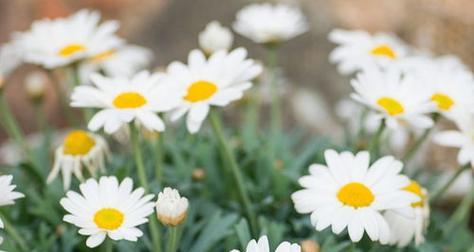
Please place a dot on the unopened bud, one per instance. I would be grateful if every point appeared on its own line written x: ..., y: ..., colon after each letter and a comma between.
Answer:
x: 198, y: 174
x: 35, y: 85
x: 309, y: 246
x: 171, y: 208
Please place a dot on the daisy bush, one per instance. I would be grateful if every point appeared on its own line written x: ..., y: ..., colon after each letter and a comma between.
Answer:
x: 188, y: 158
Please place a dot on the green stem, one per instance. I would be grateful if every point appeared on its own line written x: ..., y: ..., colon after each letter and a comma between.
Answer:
x: 14, y: 234
x: 62, y: 96
x: 410, y: 153
x: 374, y: 145
x: 461, y: 215
x: 229, y: 158
x: 172, y: 239
x: 108, y: 245
x: 87, y: 113
x: 138, y: 156
x: 159, y: 153
x: 438, y: 193
x: 275, y: 110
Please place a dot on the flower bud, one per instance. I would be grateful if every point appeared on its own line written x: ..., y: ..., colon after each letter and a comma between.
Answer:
x: 35, y: 85
x: 198, y: 174
x: 171, y: 208
x: 309, y: 246
x: 215, y: 37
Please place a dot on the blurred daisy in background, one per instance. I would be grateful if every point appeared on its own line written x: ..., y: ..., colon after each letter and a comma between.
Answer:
x: 462, y: 138
x: 8, y: 196
x: 348, y: 193
x: 216, y: 81
x: 397, y: 98
x: 80, y: 149
x: 215, y: 37
x: 410, y: 222
x: 10, y: 59
x: 59, y: 42
x: 270, y: 24
x: 107, y: 208
x: 358, y: 50
x: 124, y: 100
x: 262, y: 245
x: 171, y: 208
x: 124, y: 61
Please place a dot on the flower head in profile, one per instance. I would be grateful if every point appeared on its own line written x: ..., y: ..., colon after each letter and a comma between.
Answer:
x: 171, y: 208
x: 59, y: 42
x: 270, y: 24
x: 350, y: 193
x: 358, y: 50
x: 108, y: 208
x: 262, y: 246
x: 8, y: 196
x: 124, y: 61
x: 125, y: 100
x: 215, y: 37
x: 462, y: 138
x: 397, y: 98
x: 410, y: 222
x: 80, y: 149
x: 216, y: 81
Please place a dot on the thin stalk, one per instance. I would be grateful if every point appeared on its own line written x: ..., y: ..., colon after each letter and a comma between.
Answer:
x: 461, y: 215
x: 14, y: 234
x: 374, y: 145
x: 275, y: 110
x: 438, y: 193
x: 229, y: 158
x: 108, y: 245
x: 86, y: 112
x: 172, y: 239
x: 159, y: 153
x: 410, y: 153
x: 138, y: 157
x: 62, y: 99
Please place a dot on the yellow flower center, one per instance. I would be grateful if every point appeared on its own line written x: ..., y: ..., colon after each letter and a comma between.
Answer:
x: 356, y: 195
x: 415, y: 188
x: 200, y: 91
x: 71, y: 49
x: 108, y: 218
x: 129, y: 100
x: 383, y: 50
x: 443, y: 101
x: 78, y: 142
x: 102, y: 56
x: 390, y: 105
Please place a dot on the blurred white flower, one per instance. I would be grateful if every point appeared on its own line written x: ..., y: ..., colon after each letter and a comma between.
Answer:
x: 79, y: 149
x: 263, y: 246
x: 397, y: 98
x: 8, y: 196
x: 269, y: 24
x: 35, y: 85
x: 58, y: 42
x: 108, y: 208
x: 216, y: 81
x: 10, y: 59
x: 358, y: 50
x: 171, y: 208
x: 409, y: 222
x: 215, y: 37
x: 124, y: 61
x: 462, y: 138
x: 350, y: 193
x: 124, y: 100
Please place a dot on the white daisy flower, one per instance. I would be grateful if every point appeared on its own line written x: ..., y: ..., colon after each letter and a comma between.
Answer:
x: 124, y: 61
x: 358, y: 50
x: 107, y: 208
x: 263, y: 246
x: 349, y: 193
x: 124, y: 100
x: 398, y: 99
x: 10, y: 59
x: 171, y: 208
x: 409, y: 222
x: 8, y: 196
x: 216, y: 81
x: 58, y: 42
x: 215, y: 37
x: 269, y: 24
x: 80, y: 149
x: 462, y: 138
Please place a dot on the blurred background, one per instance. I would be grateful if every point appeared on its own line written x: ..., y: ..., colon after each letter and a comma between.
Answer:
x: 170, y: 29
